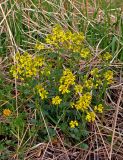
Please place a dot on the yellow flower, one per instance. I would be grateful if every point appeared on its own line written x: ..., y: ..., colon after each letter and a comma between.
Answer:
x: 26, y: 65
x: 56, y: 100
x: 106, y: 56
x: 73, y: 124
x: 65, y: 39
x: 63, y: 89
x: 98, y: 83
x: 72, y: 104
x: 83, y: 102
x: 57, y: 37
x: 90, y: 117
x: 39, y: 46
x: 85, y: 53
x: 99, y: 108
x: 78, y: 88
x: 95, y: 71
x: 6, y: 112
x: 42, y: 92
x: 108, y: 75
x: 89, y: 83
x: 66, y: 80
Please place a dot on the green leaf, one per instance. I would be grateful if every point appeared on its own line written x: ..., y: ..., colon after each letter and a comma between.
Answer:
x: 83, y: 146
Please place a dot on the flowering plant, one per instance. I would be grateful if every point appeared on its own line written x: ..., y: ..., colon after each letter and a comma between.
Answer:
x: 67, y: 88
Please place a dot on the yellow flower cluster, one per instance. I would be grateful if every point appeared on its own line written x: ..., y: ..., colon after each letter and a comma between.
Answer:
x: 98, y: 83
x: 6, y: 112
x: 108, y: 75
x: 106, y: 56
x: 85, y: 53
x: 56, y: 100
x: 57, y: 37
x: 88, y: 83
x: 84, y: 102
x: 39, y: 46
x: 68, y: 40
x: 66, y: 80
x: 26, y: 65
x: 99, y: 108
x: 73, y: 124
x: 94, y: 72
x: 41, y: 91
x: 90, y: 117
x: 78, y: 88
x: 60, y: 37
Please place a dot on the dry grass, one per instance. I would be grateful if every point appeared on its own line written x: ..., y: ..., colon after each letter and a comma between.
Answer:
x: 22, y: 28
